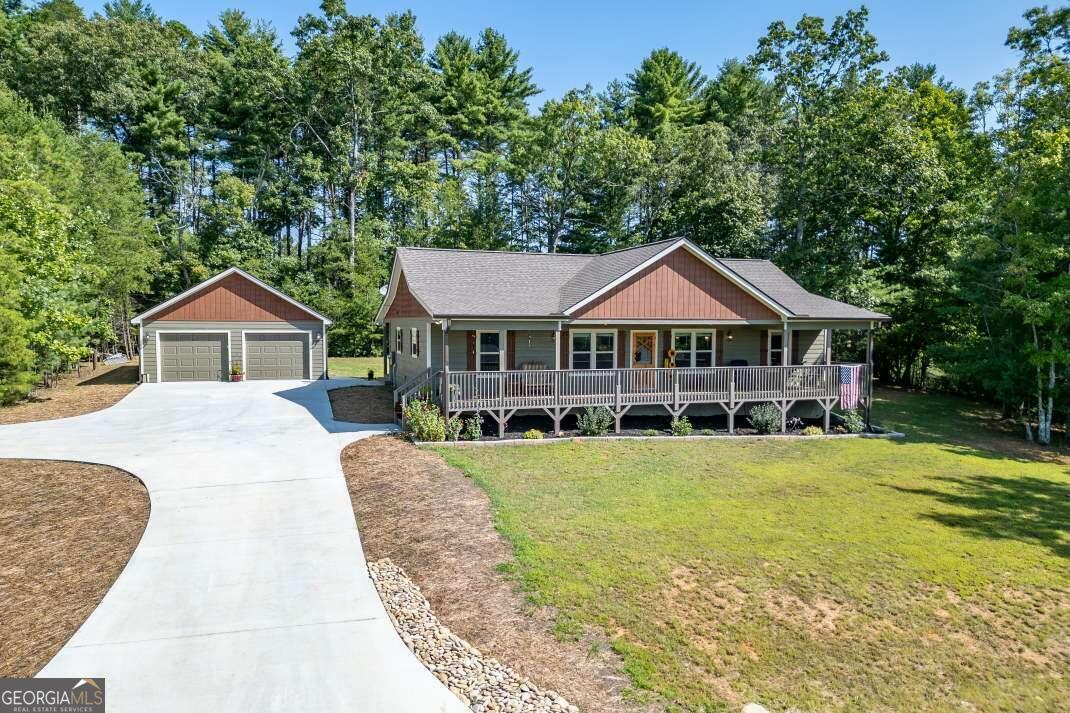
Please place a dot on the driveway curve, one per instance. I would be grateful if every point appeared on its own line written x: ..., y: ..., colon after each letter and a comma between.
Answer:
x: 248, y: 590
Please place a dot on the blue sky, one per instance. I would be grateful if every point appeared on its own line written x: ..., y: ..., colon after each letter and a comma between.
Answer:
x: 570, y: 44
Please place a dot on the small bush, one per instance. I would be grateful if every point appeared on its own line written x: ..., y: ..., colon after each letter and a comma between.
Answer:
x: 650, y: 432
x: 594, y: 421
x: 681, y: 426
x: 371, y: 374
x: 813, y: 431
x: 854, y: 422
x: 532, y: 434
x: 765, y: 418
x: 473, y: 428
x: 424, y: 421
x: 794, y: 424
x: 453, y: 428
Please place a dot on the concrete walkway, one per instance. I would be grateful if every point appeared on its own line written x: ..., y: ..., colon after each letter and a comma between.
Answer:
x: 248, y: 591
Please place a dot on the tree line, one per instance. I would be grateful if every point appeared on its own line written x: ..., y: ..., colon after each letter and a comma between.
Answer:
x: 143, y: 157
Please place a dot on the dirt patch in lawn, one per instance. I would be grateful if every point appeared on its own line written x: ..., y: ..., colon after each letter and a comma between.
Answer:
x: 75, y: 394
x: 363, y: 404
x: 436, y: 524
x: 66, y: 532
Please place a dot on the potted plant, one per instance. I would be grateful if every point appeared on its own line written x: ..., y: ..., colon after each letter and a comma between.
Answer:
x: 235, y: 372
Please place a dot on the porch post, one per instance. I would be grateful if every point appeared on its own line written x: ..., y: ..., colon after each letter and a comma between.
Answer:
x: 785, y: 356
x: 557, y: 347
x: 446, y: 368
x: 828, y: 345
x: 869, y: 373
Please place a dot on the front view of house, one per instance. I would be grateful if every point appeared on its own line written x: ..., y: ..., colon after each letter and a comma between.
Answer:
x: 232, y: 322
x: 659, y: 325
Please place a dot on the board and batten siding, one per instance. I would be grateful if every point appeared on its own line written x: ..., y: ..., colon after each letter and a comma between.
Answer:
x: 234, y: 298
x: 678, y: 286
x: 234, y: 329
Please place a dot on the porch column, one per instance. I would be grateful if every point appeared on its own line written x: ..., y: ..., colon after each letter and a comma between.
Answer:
x: 828, y: 346
x: 445, y: 368
x: 557, y: 347
x: 869, y: 373
x: 785, y: 356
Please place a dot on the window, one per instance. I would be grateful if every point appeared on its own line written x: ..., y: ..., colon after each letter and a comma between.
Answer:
x: 399, y: 340
x: 415, y: 342
x: 593, y: 350
x: 489, y: 351
x: 693, y: 348
x: 776, y: 349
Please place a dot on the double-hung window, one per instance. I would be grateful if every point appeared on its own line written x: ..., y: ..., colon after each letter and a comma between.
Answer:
x: 415, y: 342
x: 593, y: 350
x: 489, y: 351
x: 399, y: 340
x: 693, y: 348
x: 776, y: 349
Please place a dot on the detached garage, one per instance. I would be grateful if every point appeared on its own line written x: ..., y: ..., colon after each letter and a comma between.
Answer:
x: 232, y: 318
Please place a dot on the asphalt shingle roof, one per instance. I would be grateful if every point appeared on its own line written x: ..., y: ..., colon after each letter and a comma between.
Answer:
x: 479, y: 283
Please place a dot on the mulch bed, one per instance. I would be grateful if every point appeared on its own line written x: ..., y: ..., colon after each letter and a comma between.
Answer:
x: 363, y: 404
x: 75, y: 395
x: 436, y: 524
x: 66, y: 532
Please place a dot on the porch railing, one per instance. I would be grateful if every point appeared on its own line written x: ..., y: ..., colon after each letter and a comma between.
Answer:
x: 615, y: 388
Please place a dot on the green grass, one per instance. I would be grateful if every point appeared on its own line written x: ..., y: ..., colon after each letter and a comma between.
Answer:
x: 355, y: 366
x: 820, y: 575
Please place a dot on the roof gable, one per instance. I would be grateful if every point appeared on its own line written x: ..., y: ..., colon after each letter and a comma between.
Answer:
x: 232, y: 295
x: 677, y: 285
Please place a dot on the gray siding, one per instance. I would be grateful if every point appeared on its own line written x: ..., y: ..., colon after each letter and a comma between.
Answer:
x: 407, y: 365
x: 234, y: 329
x: 746, y: 344
x: 535, y: 346
x: 811, y: 346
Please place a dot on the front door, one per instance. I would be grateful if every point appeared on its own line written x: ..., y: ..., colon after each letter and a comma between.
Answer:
x: 644, y: 348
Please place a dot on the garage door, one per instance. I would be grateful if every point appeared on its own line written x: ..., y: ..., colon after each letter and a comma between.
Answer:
x: 276, y: 356
x: 192, y: 357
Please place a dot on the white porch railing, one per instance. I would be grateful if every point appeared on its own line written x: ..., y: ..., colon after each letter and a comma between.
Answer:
x: 616, y: 388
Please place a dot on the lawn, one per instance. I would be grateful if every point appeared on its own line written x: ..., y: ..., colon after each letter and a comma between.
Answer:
x: 931, y: 573
x: 355, y: 366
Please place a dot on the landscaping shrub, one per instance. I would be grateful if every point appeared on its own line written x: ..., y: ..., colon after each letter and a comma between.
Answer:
x: 813, y: 431
x: 371, y: 374
x: 424, y: 421
x: 532, y: 434
x: 453, y: 428
x: 794, y: 423
x: 765, y: 418
x: 650, y: 432
x: 854, y: 422
x: 594, y: 421
x: 681, y: 426
x: 473, y: 428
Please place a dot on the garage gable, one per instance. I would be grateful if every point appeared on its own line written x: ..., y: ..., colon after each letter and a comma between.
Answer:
x: 231, y: 296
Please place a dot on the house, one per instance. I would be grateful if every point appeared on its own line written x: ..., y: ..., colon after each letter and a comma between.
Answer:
x: 232, y: 319
x: 663, y: 325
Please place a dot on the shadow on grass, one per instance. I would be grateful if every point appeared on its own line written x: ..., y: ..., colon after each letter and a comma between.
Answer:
x: 1024, y: 508
x: 122, y: 375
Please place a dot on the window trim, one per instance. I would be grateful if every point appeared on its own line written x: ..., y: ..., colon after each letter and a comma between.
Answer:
x: 399, y: 340
x: 712, y: 331
x: 593, y: 334
x: 769, y: 347
x: 414, y: 342
x: 501, y: 348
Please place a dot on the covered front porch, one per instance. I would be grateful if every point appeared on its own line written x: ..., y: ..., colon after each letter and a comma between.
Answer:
x: 555, y: 368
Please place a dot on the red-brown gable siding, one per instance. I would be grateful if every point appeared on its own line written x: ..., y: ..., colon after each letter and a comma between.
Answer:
x: 679, y: 286
x: 404, y: 304
x: 234, y: 298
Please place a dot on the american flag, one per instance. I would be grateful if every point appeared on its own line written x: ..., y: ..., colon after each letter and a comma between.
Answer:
x: 850, y: 386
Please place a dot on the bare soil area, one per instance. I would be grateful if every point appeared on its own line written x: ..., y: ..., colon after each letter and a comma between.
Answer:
x: 66, y: 532
x: 436, y: 524
x: 75, y: 395
x: 363, y: 404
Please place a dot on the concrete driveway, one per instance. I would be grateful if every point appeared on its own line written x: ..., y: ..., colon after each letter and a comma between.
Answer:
x: 248, y: 591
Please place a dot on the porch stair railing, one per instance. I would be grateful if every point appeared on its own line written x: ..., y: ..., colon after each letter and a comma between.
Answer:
x: 426, y: 382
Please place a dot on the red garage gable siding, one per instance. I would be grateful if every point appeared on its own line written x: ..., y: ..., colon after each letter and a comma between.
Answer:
x: 404, y: 304
x: 234, y: 298
x: 679, y: 286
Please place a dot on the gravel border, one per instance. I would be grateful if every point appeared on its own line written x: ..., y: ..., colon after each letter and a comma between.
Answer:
x: 714, y: 437
x: 483, y: 684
